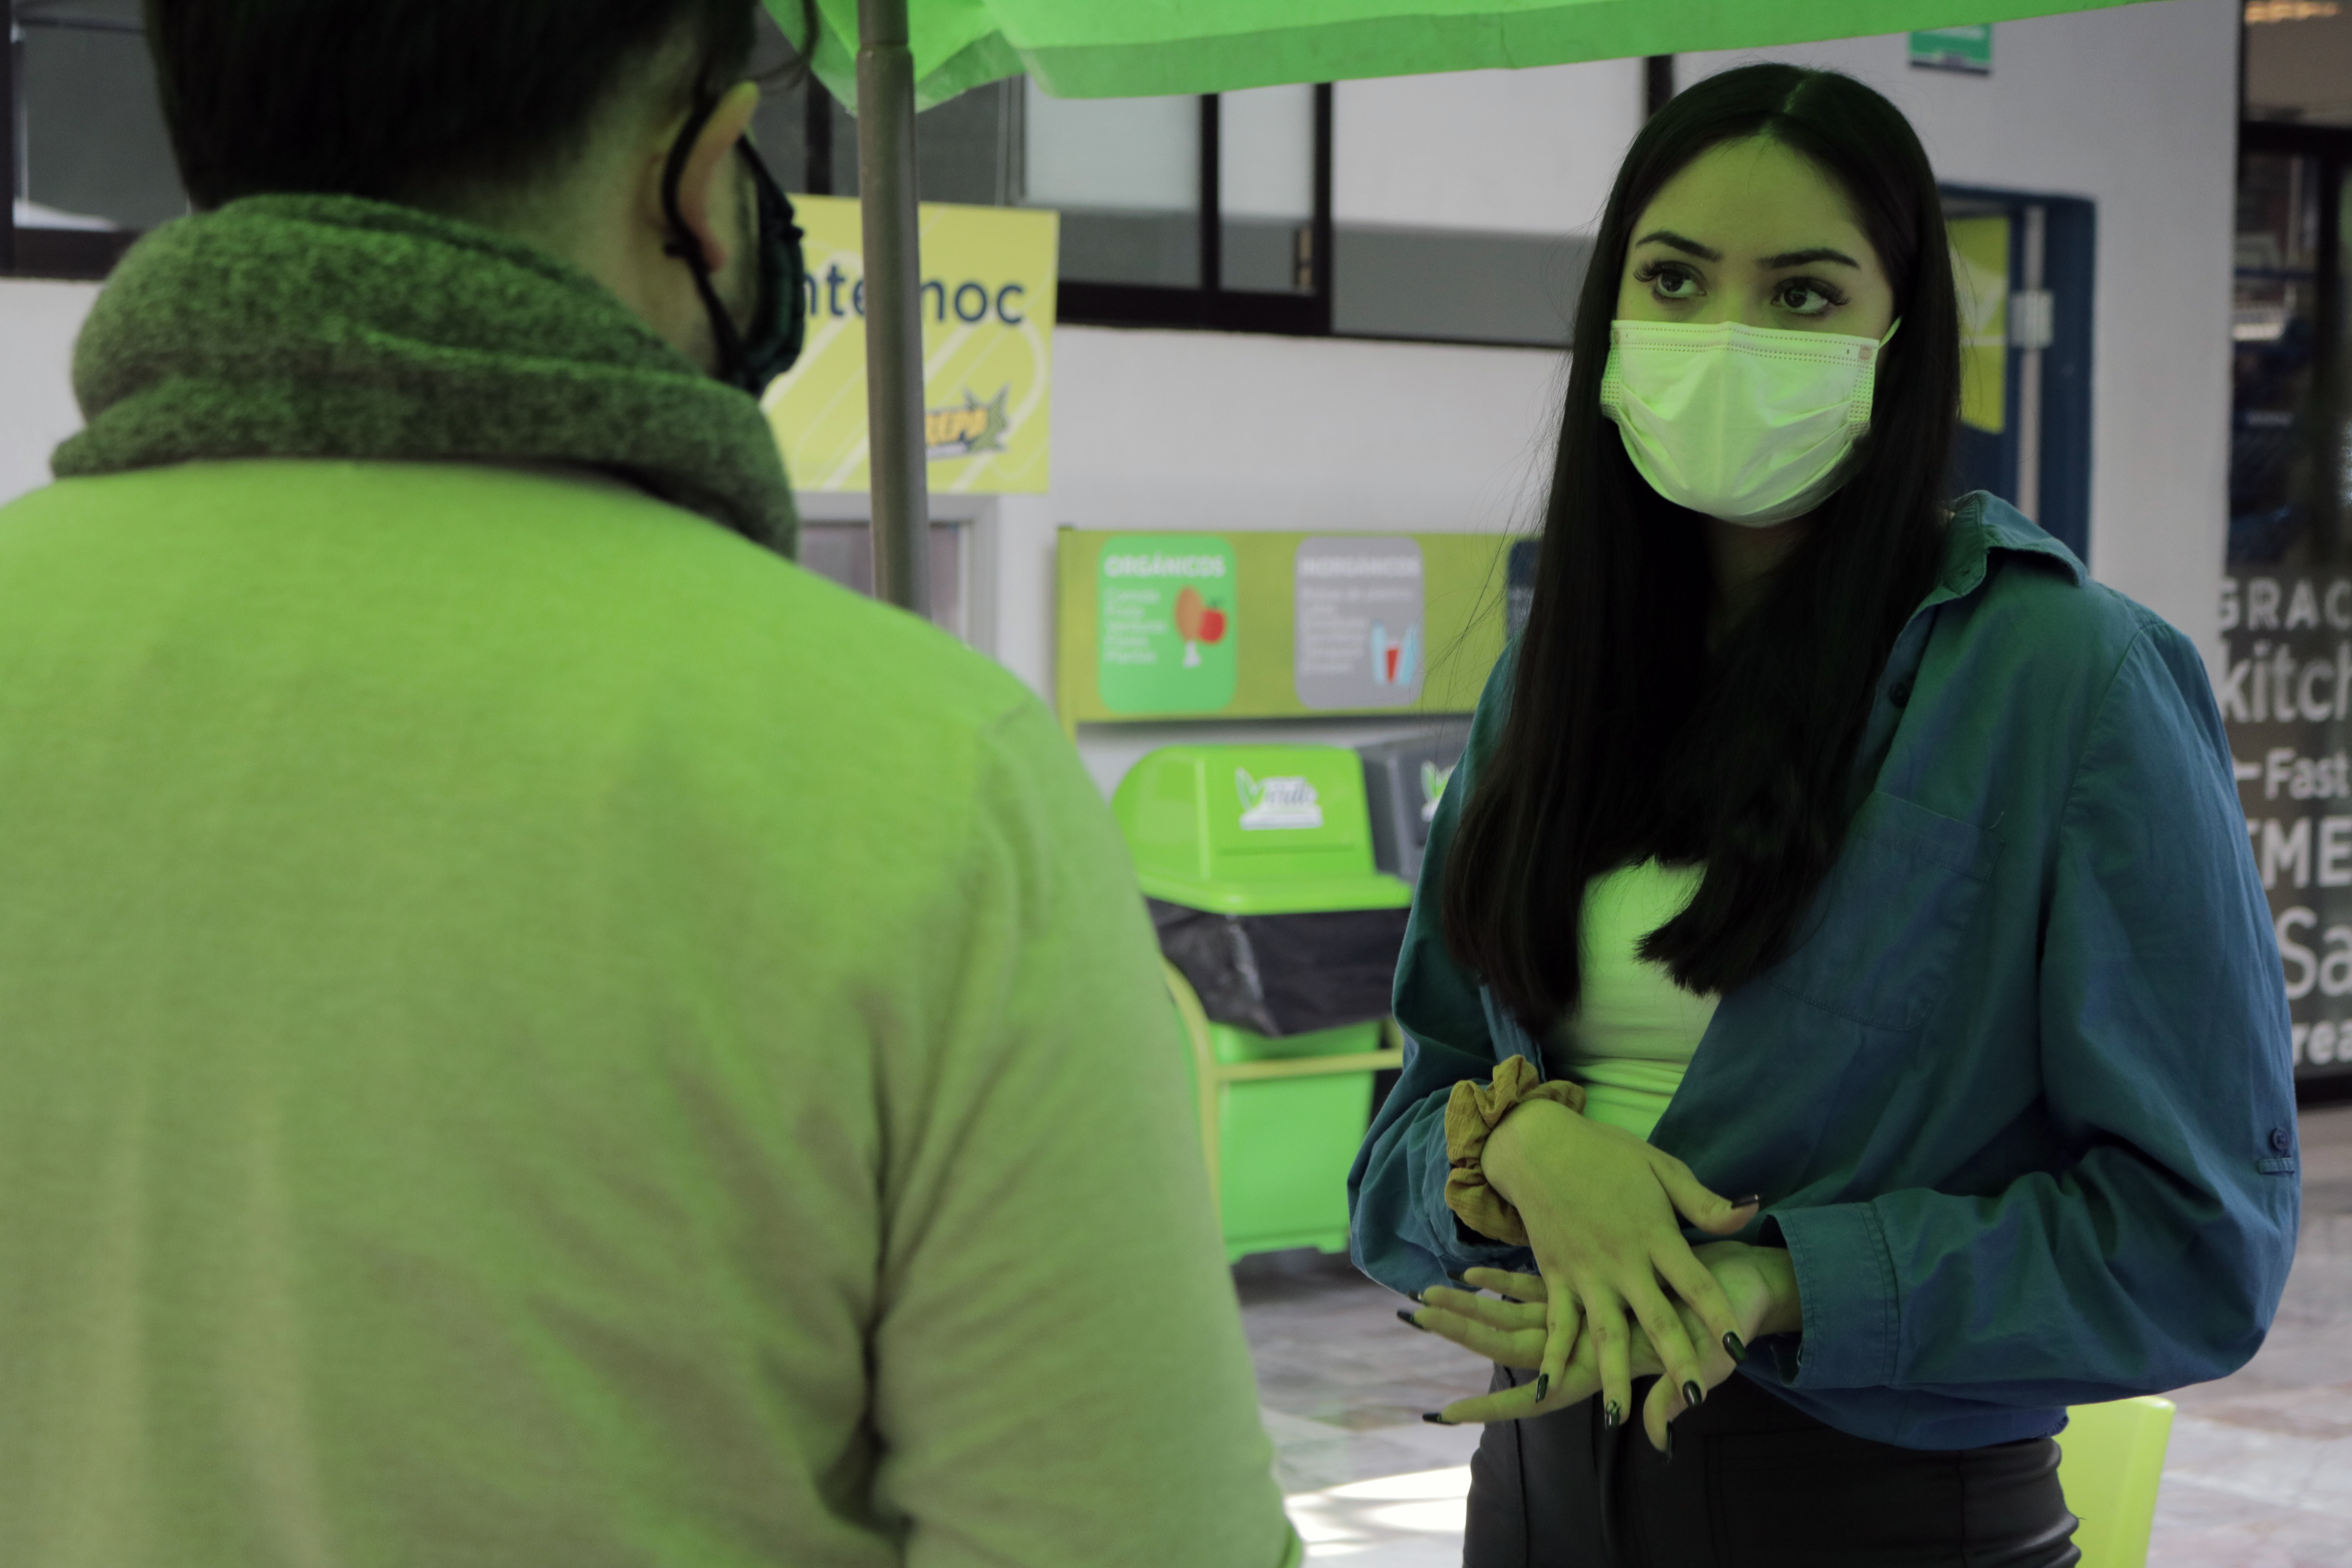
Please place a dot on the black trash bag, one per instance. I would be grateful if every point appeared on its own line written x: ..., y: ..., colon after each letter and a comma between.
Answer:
x: 1286, y: 974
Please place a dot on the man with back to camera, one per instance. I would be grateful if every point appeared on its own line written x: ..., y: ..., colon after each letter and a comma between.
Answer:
x: 532, y: 1032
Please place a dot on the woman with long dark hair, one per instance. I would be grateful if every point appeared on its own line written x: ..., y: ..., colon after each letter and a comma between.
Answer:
x: 1840, y: 879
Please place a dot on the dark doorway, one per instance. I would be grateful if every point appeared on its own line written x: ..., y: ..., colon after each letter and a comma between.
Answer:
x: 2288, y: 336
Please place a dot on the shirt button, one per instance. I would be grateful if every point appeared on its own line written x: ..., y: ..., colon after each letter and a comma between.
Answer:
x: 2279, y: 1138
x: 1899, y: 693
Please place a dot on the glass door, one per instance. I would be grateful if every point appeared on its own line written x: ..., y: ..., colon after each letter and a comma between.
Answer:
x: 2285, y: 683
x: 2286, y: 332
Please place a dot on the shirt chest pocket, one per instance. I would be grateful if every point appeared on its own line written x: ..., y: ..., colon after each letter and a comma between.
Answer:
x: 1886, y: 931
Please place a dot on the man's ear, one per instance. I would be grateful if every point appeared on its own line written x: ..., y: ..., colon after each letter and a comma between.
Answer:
x: 703, y: 185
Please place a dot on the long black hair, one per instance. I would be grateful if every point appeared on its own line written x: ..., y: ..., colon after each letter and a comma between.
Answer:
x: 1624, y: 738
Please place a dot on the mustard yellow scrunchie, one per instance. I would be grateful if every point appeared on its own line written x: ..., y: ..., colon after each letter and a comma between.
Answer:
x: 1472, y: 1114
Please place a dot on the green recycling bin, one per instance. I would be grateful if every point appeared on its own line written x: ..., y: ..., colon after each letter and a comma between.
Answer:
x: 1257, y: 861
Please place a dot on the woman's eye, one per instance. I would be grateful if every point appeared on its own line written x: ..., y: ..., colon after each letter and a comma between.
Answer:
x: 1805, y: 298
x: 1670, y: 283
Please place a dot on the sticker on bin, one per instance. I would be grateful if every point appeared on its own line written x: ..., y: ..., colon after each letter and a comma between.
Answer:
x: 1277, y: 803
x: 1434, y: 780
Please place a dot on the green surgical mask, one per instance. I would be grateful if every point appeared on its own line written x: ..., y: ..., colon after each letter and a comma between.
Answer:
x: 1750, y: 425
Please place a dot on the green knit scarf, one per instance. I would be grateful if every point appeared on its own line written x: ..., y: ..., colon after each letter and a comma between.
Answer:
x: 303, y: 326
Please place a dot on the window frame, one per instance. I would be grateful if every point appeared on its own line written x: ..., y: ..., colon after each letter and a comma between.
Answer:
x: 1210, y: 306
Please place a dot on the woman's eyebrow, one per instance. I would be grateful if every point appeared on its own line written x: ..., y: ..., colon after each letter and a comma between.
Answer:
x: 1806, y: 258
x: 1692, y: 247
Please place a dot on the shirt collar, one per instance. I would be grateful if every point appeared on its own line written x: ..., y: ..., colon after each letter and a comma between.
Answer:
x: 1981, y: 524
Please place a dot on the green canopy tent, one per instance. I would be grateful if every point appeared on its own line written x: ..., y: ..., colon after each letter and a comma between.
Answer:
x: 886, y: 59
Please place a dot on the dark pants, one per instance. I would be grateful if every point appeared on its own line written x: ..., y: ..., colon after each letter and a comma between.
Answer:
x: 1754, y: 1483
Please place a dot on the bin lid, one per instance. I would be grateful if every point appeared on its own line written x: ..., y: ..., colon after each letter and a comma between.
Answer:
x: 1245, y: 830
x: 1416, y: 769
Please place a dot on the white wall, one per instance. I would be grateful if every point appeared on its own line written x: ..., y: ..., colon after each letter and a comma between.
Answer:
x: 2136, y: 108
x: 1228, y: 431
x: 1157, y: 429
x: 38, y: 323
x: 1531, y: 151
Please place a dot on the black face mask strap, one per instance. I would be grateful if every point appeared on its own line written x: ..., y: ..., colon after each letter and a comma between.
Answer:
x: 686, y: 248
x: 779, y: 328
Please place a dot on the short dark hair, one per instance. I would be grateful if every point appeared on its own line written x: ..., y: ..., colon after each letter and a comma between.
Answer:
x: 1625, y: 739
x: 392, y: 99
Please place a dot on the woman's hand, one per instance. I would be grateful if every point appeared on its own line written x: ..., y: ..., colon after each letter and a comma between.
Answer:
x: 1600, y: 1207
x: 1759, y: 1281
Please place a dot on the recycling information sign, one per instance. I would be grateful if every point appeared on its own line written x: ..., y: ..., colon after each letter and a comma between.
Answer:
x: 1164, y: 623
x: 1246, y: 625
x: 1356, y: 626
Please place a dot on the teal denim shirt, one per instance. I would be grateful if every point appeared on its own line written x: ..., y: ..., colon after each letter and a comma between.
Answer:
x: 2018, y: 1101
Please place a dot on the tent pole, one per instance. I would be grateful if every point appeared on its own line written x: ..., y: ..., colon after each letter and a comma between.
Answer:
x: 894, y: 322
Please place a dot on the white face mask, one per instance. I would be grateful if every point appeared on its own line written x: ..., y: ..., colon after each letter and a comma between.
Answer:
x: 1751, y: 425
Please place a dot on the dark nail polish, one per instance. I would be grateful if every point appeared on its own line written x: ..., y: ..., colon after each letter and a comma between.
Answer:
x: 1732, y: 1348
x: 1669, y: 1449
x: 1751, y: 1198
x: 1406, y: 1319
x: 1693, y: 1394
x: 1611, y: 1418
x: 1436, y: 1419
x: 1543, y: 1385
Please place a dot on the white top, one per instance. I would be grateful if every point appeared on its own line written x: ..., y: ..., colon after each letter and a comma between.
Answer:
x: 1635, y: 1029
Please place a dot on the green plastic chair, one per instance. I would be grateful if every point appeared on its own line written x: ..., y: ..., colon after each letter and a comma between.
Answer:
x: 2110, y: 1460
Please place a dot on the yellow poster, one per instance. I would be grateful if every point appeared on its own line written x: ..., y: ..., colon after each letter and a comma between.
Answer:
x: 1980, y: 273
x: 988, y: 350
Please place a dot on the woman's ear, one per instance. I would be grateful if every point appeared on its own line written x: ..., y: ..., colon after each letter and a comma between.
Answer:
x: 702, y: 187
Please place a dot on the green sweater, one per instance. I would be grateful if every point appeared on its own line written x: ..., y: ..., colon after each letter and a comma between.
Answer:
x: 535, y: 1033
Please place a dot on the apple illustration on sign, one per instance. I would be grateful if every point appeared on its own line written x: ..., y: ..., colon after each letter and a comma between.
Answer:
x: 1197, y: 621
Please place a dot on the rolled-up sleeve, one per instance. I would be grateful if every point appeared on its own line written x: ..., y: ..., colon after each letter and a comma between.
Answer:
x: 2156, y: 1258
x: 1399, y: 1230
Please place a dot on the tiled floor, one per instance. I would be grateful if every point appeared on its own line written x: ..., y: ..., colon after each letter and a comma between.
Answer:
x: 2259, y: 1471
x: 1343, y: 1385
x: 2258, y: 1474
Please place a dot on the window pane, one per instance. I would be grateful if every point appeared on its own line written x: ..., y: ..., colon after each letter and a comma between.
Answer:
x: 1265, y: 187
x: 1126, y: 174
x: 1389, y: 280
x: 966, y: 149
x: 94, y: 139
x: 1136, y: 154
